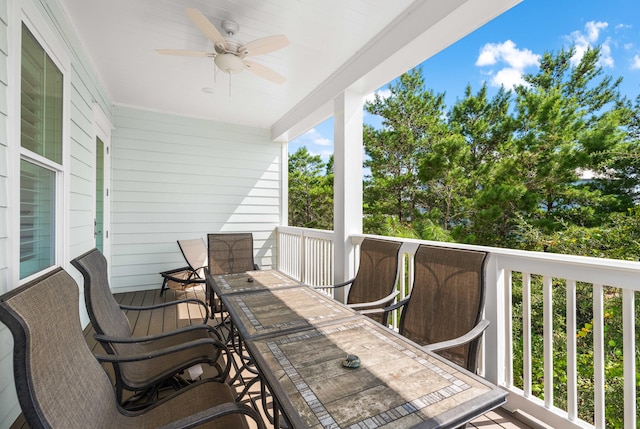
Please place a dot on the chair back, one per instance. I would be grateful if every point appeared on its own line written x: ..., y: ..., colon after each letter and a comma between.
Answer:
x: 446, y: 301
x: 377, y: 272
x: 195, y: 253
x: 59, y: 382
x: 230, y: 253
x: 106, y: 316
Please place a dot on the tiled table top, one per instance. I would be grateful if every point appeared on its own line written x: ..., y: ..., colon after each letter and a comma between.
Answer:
x: 261, y: 280
x: 269, y: 312
x: 299, y: 337
x: 398, y: 385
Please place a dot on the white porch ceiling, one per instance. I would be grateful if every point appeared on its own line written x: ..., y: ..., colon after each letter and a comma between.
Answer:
x: 335, y: 45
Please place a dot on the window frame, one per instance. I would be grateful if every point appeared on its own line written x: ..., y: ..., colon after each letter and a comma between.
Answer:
x: 30, y: 17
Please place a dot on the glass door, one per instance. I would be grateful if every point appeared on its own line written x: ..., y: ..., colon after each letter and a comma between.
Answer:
x: 98, y: 222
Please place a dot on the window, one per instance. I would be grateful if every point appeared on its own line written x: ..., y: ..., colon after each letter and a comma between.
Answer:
x: 41, y: 155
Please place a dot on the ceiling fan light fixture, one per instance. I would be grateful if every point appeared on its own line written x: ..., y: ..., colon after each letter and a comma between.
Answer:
x: 229, y: 63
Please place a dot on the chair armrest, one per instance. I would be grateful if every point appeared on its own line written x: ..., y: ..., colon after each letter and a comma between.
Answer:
x: 214, y: 413
x: 339, y: 285
x: 116, y: 358
x: 162, y: 304
x: 374, y: 303
x: 192, y: 278
x: 173, y: 271
x: 167, y: 304
x: 223, y: 373
x: 184, y: 281
x: 386, y: 309
x: 464, y: 339
x: 109, y: 339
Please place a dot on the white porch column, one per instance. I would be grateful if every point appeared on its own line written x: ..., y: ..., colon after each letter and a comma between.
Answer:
x: 347, y: 211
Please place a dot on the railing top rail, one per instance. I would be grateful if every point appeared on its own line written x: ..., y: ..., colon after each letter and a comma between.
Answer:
x: 608, y: 272
x: 307, y: 232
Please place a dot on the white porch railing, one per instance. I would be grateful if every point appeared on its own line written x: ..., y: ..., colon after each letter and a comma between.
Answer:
x: 516, y: 279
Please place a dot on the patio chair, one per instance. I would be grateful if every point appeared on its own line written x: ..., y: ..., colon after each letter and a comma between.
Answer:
x: 229, y: 253
x: 60, y: 384
x: 374, y: 285
x: 195, y: 253
x: 174, y: 351
x: 443, y: 313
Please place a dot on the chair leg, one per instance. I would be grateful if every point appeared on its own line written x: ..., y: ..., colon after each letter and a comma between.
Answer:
x: 164, y: 286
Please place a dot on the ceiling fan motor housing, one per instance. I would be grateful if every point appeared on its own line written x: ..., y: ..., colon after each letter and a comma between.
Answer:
x: 230, y: 63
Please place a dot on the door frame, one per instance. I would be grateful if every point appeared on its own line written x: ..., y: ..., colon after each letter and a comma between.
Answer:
x: 102, y: 129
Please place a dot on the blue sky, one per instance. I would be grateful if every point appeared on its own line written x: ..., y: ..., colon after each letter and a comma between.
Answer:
x: 510, y: 45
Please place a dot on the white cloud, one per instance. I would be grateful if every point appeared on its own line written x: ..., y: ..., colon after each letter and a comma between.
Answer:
x: 315, y: 142
x: 583, y: 40
x: 513, y: 61
x: 492, y: 53
x: 635, y: 63
x: 593, y: 30
x: 606, y: 59
x: 382, y: 93
x: 508, y: 77
x: 313, y: 137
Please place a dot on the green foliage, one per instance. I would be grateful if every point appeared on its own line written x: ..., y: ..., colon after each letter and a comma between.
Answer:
x: 310, y: 191
x: 412, y: 122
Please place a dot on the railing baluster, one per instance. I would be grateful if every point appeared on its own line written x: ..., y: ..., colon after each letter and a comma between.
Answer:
x: 629, y: 353
x: 598, y: 355
x: 508, y: 327
x: 572, y: 368
x: 548, y: 340
x: 526, y: 334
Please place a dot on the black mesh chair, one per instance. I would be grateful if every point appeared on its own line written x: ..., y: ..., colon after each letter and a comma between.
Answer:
x: 60, y: 384
x: 443, y: 313
x: 173, y: 351
x: 374, y: 285
x: 229, y: 253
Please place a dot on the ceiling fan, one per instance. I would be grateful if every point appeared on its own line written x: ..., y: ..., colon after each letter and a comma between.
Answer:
x: 229, y: 55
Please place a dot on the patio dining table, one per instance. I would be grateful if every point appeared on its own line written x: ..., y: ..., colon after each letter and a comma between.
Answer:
x: 299, y: 339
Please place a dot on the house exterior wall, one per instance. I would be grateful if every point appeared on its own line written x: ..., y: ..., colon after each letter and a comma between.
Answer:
x: 8, y: 402
x: 83, y: 91
x: 171, y: 177
x: 180, y: 178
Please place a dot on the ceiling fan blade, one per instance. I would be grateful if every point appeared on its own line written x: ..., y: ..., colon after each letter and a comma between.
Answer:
x: 185, y: 52
x: 207, y: 28
x: 264, y: 45
x: 265, y: 72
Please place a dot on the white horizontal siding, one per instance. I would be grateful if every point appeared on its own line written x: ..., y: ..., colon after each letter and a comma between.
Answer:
x: 9, y: 408
x: 84, y: 88
x: 176, y: 178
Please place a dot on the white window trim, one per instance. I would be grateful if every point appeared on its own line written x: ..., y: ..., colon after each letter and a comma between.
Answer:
x: 28, y: 13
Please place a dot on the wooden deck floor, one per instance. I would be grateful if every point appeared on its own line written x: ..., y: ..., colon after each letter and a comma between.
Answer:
x: 157, y: 321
